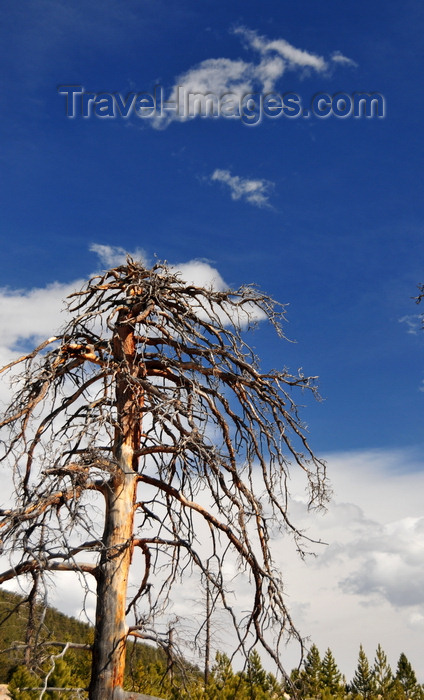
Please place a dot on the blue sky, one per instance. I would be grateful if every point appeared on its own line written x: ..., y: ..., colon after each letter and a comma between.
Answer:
x: 333, y: 228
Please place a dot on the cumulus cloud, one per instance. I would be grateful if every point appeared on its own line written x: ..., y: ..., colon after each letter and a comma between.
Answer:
x: 366, y: 584
x: 255, y: 192
x: 200, y: 273
x: 31, y: 315
x: 218, y: 75
x: 27, y: 317
x: 223, y: 76
x: 333, y: 598
x: 390, y: 563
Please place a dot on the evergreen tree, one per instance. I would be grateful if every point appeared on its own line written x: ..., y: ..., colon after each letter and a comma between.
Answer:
x: 363, y: 680
x: 224, y: 683
x: 59, y: 678
x: 396, y: 691
x: 256, y: 677
x: 331, y: 678
x: 296, y: 681
x: 222, y: 670
x: 275, y: 689
x: 383, y: 676
x: 311, y: 674
x: 407, y: 678
x: 23, y: 678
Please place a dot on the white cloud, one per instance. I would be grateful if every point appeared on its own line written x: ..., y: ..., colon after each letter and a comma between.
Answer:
x: 293, y: 57
x: 200, y: 273
x: 197, y: 272
x: 390, y: 563
x: 27, y: 317
x: 338, y: 57
x: 413, y: 323
x: 215, y: 76
x: 366, y: 585
x: 224, y: 76
x: 218, y: 75
x: 255, y: 192
x: 377, y: 517
x: 416, y: 620
x: 31, y: 315
x: 114, y: 255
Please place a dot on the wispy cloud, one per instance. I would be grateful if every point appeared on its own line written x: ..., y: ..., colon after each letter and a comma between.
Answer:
x: 260, y: 73
x: 413, y: 323
x: 255, y: 192
x: 292, y: 56
x: 338, y: 57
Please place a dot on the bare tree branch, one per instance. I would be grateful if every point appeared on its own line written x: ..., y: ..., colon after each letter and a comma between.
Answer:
x: 145, y: 420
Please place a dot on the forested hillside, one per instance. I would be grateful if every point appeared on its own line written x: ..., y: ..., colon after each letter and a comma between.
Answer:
x: 150, y: 671
x: 73, y: 670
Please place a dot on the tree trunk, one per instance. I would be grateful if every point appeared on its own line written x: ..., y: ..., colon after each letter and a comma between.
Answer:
x: 108, y: 662
x: 208, y: 633
x: 30, y: 632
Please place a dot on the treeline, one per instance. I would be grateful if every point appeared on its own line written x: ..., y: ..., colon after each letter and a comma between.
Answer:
x: 153, y: 672
x: 320, y: 678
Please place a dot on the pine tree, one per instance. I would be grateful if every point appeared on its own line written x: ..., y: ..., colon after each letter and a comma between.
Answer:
x: 275, y: 689
x: 23, y: 678
x: 222, y: 670
x: 383, y: 676
x: 224, y: 684
x: 311, y: 674
x: 363, y: 680
x: 296, y: 682
x: 59, y: 678
x: 407, y: 678
x: 256, y: 677
x: 331, y: 678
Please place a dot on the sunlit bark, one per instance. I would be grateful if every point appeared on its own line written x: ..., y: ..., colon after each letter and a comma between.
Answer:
x: 151, y: 402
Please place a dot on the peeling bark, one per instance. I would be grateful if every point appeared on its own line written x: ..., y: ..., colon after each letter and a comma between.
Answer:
x: 108, y: 664
x: 111, y: 631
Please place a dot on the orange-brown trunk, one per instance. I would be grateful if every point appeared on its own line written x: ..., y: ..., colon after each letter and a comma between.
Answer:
x: 108, y: 664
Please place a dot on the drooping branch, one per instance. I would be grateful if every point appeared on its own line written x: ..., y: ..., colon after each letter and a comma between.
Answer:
x: 147, y: 415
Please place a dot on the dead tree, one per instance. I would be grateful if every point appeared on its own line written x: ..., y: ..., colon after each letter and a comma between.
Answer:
x: 146, y: 431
